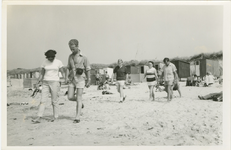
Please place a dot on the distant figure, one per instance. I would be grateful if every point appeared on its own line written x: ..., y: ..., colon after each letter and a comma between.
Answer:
x: 97, y: 78
x: 121, y: 74
x: 151, y: 77
x: 194, y: 82
x: 107, y: 77
x: 50, y: 85
x: 199, y: 81
x: 214, y: 96
x: 189, y: 81
x: 170, y: 77
x: 209, y: 79
x: 101, y: 84
x: 9, y: 81
x: 160, y: 77
x: 106, y: 87
x: 129, y: 81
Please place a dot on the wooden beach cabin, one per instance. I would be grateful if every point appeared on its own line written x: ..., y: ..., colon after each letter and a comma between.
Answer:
x: 201, y: 66
x: 183, y: 68
x: 137, y: 72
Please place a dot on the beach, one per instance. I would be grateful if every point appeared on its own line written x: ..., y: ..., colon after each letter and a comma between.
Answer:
x: 184, y: 121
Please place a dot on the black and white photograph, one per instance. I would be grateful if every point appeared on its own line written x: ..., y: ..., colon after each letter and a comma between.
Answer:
x: 115, y: 74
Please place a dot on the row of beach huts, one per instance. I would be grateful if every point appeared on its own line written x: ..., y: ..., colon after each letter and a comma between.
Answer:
x: 27, y: 79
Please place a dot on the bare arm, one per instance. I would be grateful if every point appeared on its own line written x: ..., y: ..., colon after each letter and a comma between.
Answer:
x: 88, y: 75
x: 67, y: 70
x: 175, y: 77
x: 41, y: 76
x: 62, y: 72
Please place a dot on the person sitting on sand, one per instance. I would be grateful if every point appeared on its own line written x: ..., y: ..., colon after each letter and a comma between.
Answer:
x: 209, y: 79
x: 107, y: 77
x: 49, y: 77
x: 151, y: 77
x: 214, y: 96
x: 97, y: 78
x: 194, y: 82
x: 76, y: 67
x: 129, y: 81
x: 106, y: 87
x: 199, y: 81
x: 120, y: 73
x: 169, y: 75
x: 189, y: 81
x: 103, y: 85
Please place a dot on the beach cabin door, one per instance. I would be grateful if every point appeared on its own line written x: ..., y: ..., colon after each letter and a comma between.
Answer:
x: 197, y: 68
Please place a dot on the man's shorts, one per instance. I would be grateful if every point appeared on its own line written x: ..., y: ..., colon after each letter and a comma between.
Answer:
x: 120, y: 83
x: 78, y: 85
x: 170, y: 82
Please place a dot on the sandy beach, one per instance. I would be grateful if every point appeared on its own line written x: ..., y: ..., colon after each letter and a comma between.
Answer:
x: 106, y: 122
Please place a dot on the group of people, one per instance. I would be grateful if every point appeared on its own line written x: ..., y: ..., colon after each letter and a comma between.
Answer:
x: 74, y: 76
x: 78, y: 65
x: 195, y: 80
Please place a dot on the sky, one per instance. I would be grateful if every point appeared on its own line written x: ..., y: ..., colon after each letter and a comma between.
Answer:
x: 107, y: 33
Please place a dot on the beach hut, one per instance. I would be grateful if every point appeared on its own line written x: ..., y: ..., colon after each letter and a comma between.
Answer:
x: 29, y: 82
x: 109, y: 71
x: 201, y: 66
x: 137, y: 72
x: 93, y: 73
x: 183, y: 68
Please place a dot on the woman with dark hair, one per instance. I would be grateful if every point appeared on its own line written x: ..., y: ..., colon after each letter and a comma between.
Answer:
x: 151, y: 77
x: 49, y: 76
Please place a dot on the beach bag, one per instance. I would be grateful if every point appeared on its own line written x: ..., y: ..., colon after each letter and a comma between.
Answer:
x: 175, y: 87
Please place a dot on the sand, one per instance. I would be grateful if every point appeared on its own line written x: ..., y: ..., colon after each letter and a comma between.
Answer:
x: 106, y: 122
